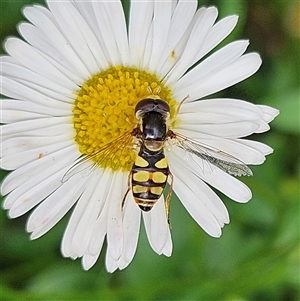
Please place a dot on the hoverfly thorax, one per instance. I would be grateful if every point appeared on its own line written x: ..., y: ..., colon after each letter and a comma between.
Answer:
x: 153, y: 115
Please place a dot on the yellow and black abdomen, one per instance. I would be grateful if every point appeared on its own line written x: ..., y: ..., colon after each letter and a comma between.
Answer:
x: 149, y: 177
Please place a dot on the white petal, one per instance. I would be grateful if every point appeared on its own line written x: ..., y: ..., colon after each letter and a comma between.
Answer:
x: 14, y: 161
x: 44, y: 20
x: 203, y: 118
x: 23, y: 144
x: 89, y: 260
x: 218, y: 60
x: 50, y: 131
x: 242, y: 68
x: 156, y: 226
x: 33, y: 190
x: 200, y: 30
x: 181, y: 19
x: 24, y: 126
x: 147, y: 54
x: 260, y: 147
x: 131, y: 229
x: 88, y: 215
x: 38, y: 39
x: 161, y: 25
x: 31, y: 58
x: 223, y: 112
x: 66, y: 245
x: 217, y: 34
x: 19, y: 90
x: 51, y: 93
x: 10, y: 116
x: 228, y: 130
x: 38, y: 169
x: 192, y: 201
x: 108, y: 30
x: 99, y: 232
x: 53, y: 208
x: 122, y: 264
x: 86, y: 9
x: 114, y: 218
x: 229, y: 106
x: 205, y: 196
x: 227, y: 184
x: 27, y: 106
x: 235, y: 147
x: 78, y: 34
x: 110, y: 263
x: 118, y: 25
x: 139, y: 25
x: 99, y: 228
x: 20, y: 73
x: 168, y: 248
x: 93, y: 206
x: 269, y: 112
x: 25, y: 198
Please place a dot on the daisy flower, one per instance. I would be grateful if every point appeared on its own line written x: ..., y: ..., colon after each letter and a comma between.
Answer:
x: 72, y: 86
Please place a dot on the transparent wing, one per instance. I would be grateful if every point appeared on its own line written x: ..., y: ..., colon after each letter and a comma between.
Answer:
x: 222, y: 160
x: 108, y: 155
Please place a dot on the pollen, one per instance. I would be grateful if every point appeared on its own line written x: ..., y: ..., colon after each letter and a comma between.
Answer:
x: 103, y: 114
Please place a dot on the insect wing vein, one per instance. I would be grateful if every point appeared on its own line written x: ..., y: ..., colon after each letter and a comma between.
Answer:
x: 220, y: 159
x: 86, y: 163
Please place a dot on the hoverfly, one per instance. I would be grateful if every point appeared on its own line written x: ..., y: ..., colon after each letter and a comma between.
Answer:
x: 150, y: 171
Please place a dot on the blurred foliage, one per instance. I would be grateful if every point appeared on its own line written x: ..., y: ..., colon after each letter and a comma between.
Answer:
x: 257, y: 257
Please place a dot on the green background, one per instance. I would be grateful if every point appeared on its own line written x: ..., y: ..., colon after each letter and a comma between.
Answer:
x: 257, y: 257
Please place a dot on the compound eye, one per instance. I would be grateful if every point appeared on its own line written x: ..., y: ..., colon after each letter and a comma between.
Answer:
x: 154, y: 105
x: 144, y: 105
x: 161, y: 106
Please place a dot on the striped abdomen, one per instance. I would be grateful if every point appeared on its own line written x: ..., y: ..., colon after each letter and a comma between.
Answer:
x: 149, y: 177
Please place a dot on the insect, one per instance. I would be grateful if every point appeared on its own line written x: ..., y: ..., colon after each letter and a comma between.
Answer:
x: 150, y: 171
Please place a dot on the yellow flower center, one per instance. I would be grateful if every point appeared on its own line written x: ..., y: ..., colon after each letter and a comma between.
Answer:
x: 104, y: 111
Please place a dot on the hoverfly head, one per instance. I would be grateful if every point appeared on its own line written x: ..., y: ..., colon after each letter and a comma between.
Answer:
x: 152, y: 105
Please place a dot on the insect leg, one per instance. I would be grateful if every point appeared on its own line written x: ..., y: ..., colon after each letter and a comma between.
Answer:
x: 168, y: 198
x: 128, y: 189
